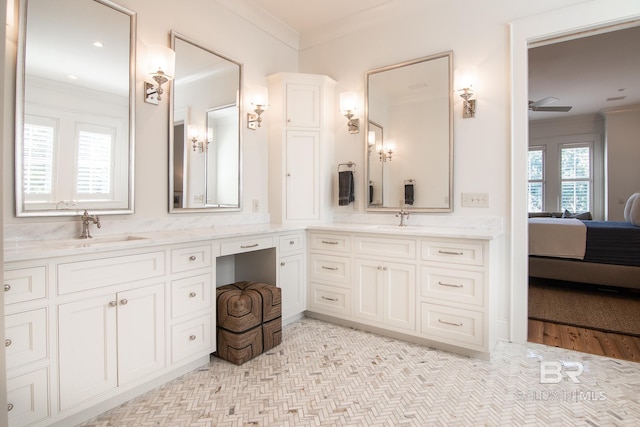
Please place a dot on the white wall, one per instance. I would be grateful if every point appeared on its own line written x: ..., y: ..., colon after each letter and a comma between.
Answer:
x: 622, y: 145
x: 213, y: 26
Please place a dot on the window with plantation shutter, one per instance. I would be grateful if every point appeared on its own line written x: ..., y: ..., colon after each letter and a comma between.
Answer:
x: 39, y: 142
x: 95, y: 157
x: 576, y: 176
x: 535, y: 172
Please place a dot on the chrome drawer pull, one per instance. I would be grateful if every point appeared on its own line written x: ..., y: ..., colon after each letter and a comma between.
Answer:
x: 112, y: 303
x: 327, y: 242
x: 192, y: 337
x: 451, y: 285
x: 329, y: 299
x: 248, y: 246
x: 7, y: 287
x: 192, y: 258
x: 330, y: 268
x: 282, y: 264
x: 192, y: 294
x: 449, y: 323
x: 450, y: 252
x: 9, y: 406
x: 124, y: 301
x: 291, y: 242
x: 7, y: 342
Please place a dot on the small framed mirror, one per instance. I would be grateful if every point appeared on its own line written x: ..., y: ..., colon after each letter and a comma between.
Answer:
x: 75, y: 106
x: 204, y: 143
x: 409, y: 128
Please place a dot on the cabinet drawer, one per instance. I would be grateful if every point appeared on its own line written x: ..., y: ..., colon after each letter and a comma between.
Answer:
x: 331, y: 242
x: 191, y: 258
x: 25, y: 284
x: 452, y: 325
x: 329, y: 299
x: 26, y: 337
x: 291, y: 243
x: 95, y: 273
x: 330, y: 268
x: 190, y: 295
x: 191, y: 338
x: 453, y: 252
x: 452, y: 285
x: 249, y: 244
x: 385, y: 247
x: 28, y: 398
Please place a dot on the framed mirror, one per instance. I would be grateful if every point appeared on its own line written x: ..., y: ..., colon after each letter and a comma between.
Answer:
x: 75, y: 104
x: 409, y: 128
x: 204, y: 148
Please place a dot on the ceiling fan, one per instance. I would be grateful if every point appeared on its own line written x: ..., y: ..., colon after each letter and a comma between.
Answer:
x: 542, y: 105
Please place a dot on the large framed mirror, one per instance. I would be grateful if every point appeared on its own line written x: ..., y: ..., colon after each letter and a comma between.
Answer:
x: 204, y: 148
x: 409, y: 142
x: 75, y: 108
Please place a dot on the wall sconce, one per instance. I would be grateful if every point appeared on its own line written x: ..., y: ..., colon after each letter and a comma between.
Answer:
x: 348, y: 103
x: 260, y: 102
x: 161, y: 65
x: 385, y: 154
x: 465, y: 79
x: 196, y: 143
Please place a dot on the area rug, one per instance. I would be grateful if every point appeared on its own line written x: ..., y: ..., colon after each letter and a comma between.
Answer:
x: 603, y: 311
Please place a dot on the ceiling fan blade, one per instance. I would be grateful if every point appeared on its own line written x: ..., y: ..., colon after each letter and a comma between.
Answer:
x: 544, y: 101
x: 551, y: 109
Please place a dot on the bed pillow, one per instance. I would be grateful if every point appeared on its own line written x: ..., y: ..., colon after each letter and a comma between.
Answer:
x: 582, y: 215
x: 632, y: 209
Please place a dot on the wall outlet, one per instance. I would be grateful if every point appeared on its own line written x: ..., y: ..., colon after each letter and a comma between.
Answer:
x: 256, y: 205
x: 475, y: 200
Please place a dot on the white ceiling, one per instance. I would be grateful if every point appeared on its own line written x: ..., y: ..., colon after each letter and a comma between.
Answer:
x: 583, y: 72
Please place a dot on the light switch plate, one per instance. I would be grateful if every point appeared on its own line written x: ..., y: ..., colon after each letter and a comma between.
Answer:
x: 475, y: 200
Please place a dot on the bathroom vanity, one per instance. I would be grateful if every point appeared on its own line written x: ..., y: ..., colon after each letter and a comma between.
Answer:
x: 91, y: 323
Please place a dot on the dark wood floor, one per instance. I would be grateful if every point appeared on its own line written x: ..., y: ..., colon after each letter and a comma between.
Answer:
x: 585, y: 340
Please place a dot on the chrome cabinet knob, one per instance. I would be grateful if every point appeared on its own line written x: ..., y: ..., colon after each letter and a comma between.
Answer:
x: 192, y: 258
x: 112, y: 303
x: 192, y: 294
x: 192, y: 337
x: 124, y: 301
x: 7, y: 287
x: 7, y: 342
x: 9, y: 406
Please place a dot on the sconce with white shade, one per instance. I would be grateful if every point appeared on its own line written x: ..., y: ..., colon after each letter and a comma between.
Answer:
x: 161, y: 66
x: 348, y: 104
x: 259, y: 100
x: 465, y: 80
x: 196, y: 141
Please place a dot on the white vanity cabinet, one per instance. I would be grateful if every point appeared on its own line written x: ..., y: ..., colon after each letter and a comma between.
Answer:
x: 109, y: 341
x: 291, y: 274
x: 301, y: 144
x: 27, y: 342
x: 430, y: 288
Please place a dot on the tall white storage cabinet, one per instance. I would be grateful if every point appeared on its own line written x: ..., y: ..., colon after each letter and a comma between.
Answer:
x: 301, y: 147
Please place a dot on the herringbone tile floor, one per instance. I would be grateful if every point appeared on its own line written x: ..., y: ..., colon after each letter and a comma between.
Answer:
x: 328, y: 375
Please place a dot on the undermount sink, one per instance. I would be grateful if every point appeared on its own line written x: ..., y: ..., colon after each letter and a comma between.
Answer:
x: 397, y: 227
x: 96, y: 241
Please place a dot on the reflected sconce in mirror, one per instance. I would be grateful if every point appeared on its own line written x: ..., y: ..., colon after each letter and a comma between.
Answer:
x: 161, y: 65
x: 197, y: 143
x: 465, y: 79
x: 259, y: 98
x: 348, y: 102
x: 385, y: 153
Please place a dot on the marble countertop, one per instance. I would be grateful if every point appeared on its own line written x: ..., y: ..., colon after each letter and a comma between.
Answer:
x: 34, y: 249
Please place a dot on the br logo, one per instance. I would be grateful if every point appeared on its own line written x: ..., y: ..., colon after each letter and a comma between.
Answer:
x: 554, y: 372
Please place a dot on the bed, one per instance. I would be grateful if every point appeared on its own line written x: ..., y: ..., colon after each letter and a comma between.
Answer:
x: 585, y: 251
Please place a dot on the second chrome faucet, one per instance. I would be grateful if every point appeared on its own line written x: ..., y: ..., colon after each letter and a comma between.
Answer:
x: 86, y: 221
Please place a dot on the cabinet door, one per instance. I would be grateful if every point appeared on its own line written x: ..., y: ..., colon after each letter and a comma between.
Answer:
x: 303, y: 175
x: 141, y: 346
x: 87, y: 349
x: 400, y: 295
x: 291, y: 280
x: 369, y: 291
x: 303, y: 105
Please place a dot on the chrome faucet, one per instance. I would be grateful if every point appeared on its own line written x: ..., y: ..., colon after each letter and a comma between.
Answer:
x: 86, y: 221
x: 404, y: 215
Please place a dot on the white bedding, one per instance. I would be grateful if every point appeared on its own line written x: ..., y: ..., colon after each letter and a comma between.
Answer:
x: 557, y: 237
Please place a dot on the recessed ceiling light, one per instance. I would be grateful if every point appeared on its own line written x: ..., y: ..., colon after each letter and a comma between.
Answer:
x: 72, y: 77
x: 98, y: 44
x: 616, y: 98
